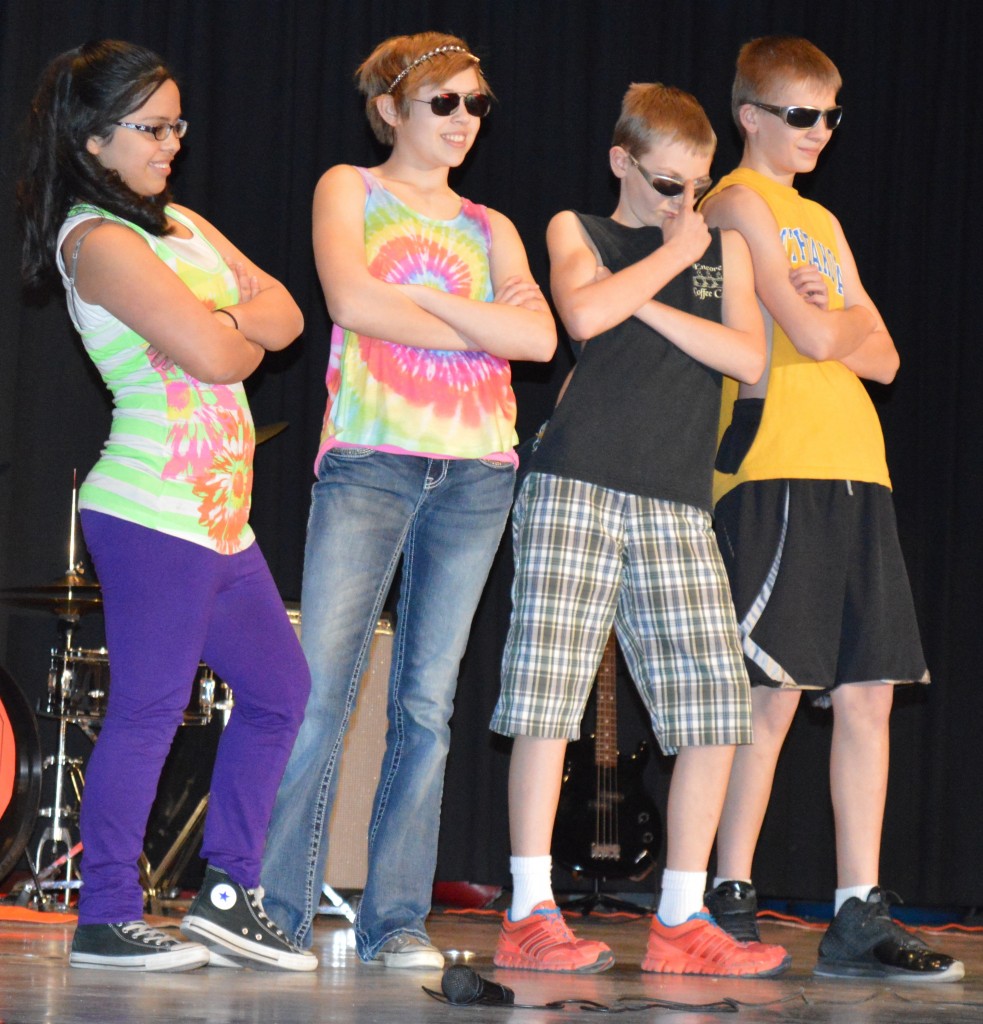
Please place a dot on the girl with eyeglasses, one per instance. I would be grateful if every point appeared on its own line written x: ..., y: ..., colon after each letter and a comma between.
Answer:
x: 431, y: 296
x: 174, y: 318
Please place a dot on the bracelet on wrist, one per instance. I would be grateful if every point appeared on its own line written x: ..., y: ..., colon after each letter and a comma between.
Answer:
x: 228, y: 313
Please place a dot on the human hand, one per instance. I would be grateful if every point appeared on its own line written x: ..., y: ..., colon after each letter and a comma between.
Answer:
x: 602, y: 273
x: 158, y: 360
x: 248, y: 283
x: 517, y: 291
x: 686, y: 230
x: 811, y: 285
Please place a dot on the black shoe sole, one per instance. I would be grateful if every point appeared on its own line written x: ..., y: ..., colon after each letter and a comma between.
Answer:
x: 850, y: 970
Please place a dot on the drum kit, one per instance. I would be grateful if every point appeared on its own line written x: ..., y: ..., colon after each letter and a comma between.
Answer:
x: 75, y: 696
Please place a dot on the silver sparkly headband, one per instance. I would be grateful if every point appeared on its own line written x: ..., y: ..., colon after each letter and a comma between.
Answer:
x: 429, y: 56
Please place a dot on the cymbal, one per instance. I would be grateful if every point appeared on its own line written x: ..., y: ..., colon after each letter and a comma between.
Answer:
x: 270, y: 430
x: 68, y: 596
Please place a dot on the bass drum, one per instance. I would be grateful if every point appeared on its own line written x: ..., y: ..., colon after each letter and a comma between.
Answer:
x: 20, y: 773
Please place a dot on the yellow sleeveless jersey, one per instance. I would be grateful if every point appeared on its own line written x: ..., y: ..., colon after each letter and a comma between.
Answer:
x: 818, y: 421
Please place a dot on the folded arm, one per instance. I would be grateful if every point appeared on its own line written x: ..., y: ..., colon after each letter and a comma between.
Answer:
x: 517, y: 325
x: 266, y: 312
x: 736, y: 346
x: 854, y: 335
x: 589, y: 303
x: 117, y: 270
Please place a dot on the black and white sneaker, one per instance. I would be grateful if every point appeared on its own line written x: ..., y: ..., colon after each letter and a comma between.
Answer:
x: 231, y: 921
x: 133, y: 946
x: 863, y: 941
x: 734, y: 906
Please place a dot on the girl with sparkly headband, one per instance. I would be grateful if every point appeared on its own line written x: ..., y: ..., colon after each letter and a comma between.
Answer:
x: 174, y: 318
x: 431, y: 296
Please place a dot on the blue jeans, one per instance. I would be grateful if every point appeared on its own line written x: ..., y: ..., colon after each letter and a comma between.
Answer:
x: 446, y: 518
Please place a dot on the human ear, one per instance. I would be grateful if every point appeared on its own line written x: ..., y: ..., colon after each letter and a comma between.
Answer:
x: 386, y: 106
x: 747, y: 113
x: 93, y: 145
x: 619, y: 161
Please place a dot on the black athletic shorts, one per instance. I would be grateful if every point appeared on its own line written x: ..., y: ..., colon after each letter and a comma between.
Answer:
x: 819, y: 584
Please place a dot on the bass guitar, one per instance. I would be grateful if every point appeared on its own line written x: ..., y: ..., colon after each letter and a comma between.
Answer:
x: 607, y: 825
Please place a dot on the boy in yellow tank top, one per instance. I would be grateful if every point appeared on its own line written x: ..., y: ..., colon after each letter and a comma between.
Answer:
x: 805, y: 520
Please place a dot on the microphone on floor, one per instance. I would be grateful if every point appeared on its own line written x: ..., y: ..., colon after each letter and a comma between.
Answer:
x: 463, y: 986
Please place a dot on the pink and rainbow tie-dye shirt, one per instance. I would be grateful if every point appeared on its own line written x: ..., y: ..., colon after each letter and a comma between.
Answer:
x: 416, y: 401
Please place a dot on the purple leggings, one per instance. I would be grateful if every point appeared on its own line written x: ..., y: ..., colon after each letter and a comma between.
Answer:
x: 170, y: 604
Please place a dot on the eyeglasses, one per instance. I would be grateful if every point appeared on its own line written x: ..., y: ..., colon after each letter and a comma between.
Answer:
x: 159, y: 131
x: 477, y: 104
x: 804, y: 118
x: 671, y: 187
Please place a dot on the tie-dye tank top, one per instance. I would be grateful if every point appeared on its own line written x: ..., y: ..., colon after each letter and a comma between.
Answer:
x: 417, y: 401
x: 179, y: 458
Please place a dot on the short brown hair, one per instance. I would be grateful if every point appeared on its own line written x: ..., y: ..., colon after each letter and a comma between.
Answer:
x: 652, y: 113
x: 776, y: 62
x: 376, y: 74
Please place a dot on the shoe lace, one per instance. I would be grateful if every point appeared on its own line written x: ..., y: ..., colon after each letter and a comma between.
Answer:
x: 400, y: 942
x: 555, y: 923
x: 711, y: 942
x: 877, y: 906
x: 256, y: 900
x: 143, y: 932
x: 877, y: 915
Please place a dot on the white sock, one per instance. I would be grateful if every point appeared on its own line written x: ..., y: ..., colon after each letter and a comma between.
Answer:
x: 682, y: 895
x: 730, y: 878
x: 531, y: 884
x: 842, y: 895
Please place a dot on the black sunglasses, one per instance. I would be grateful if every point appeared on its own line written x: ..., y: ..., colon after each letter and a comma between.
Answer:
x: 804, y: 118
x: 671, y: 187
x: 477, y: 104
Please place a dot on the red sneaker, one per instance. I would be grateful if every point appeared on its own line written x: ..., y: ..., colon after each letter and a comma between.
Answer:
x: 543, y: 942
x: 700, y: 946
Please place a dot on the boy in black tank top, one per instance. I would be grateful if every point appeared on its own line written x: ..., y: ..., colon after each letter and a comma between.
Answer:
x: 612, y: 527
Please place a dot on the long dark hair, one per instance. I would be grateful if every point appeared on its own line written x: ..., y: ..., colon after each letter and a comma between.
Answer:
x: 82, y: 94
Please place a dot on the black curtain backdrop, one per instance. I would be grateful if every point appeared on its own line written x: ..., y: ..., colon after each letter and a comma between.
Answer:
x: 267, y: 88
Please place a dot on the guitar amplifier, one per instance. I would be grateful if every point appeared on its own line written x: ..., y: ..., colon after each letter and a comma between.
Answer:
x: 360, y: 766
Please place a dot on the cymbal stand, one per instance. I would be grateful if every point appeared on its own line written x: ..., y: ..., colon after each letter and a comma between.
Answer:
x: 67, y: 776
x: 69, y: 597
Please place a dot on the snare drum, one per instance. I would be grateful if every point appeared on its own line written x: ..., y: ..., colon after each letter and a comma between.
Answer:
x: 78, y: 688
x: 78, y: 682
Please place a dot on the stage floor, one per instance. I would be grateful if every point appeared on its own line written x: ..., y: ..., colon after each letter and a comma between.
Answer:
x: 36, y: 984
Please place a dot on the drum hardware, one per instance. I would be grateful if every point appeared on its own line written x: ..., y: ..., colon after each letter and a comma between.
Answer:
x: 70, y: 596
x: 66, y: 701
x: 59, y: 839
x: 39, y: 887
x: 59, y: 833
x: 76, y: 694
x: 160, y: 882
x: 20, y: 772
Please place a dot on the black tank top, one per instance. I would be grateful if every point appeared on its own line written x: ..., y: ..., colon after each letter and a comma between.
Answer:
x: 640, y: 416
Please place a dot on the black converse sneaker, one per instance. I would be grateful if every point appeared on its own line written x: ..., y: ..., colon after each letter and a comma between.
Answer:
x: 734, y: 906
x: 133, y: 946
x: 863, y: 941
x: 231, y: 921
